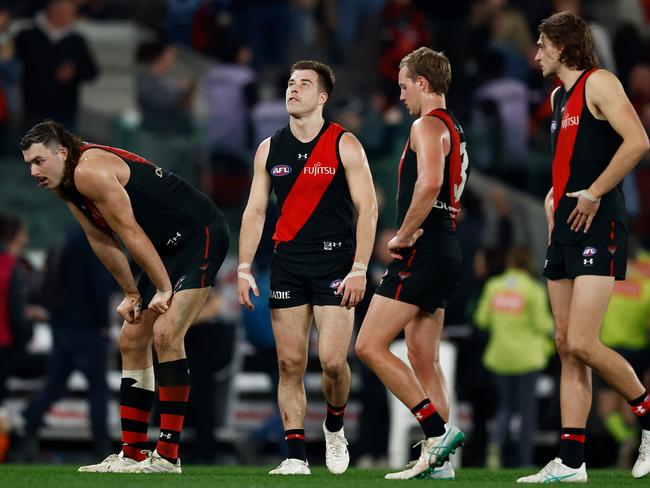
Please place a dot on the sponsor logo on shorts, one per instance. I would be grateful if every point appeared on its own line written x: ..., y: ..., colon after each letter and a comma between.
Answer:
x: 335, y: 284
x: 280, y: 295
x: 159, y: 172
x: 328, y: 246
x: 204, y: 266
x: 179, y: 282
x: 612, y: 249
x: 589, y: 251
x: 403, y: 275
x: 588, y: 262
x: 545, y: 263
x: 280, y: 170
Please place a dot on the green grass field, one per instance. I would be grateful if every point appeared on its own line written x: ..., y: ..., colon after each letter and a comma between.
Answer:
x: 37, y: 476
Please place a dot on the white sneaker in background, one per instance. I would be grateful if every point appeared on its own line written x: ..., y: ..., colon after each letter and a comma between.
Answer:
x: 337, y: 457
x: 557, y: 472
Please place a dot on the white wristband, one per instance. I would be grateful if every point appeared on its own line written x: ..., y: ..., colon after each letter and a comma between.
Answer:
x: 589, y: 196
x: 244, y: 266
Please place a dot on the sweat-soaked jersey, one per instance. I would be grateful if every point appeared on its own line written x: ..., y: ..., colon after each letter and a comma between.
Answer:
x: 168, y: 208
x: 440, y: 224
x: 308, y: 178
x: 582, y: 147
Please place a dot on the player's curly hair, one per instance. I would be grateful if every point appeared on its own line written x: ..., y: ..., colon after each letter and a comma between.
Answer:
x: 326, y: 76
x: 54, y: 135
x: 430, y: 64
x: 571, y: 35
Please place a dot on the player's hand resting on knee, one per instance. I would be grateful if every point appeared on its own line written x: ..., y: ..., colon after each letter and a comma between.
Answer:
x: 130, y: 309
x: 160, y: 301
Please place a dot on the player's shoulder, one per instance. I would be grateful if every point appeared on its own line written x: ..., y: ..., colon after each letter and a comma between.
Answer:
x: 601, y: 81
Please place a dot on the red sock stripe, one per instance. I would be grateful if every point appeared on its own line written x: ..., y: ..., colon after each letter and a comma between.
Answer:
x: 133, y: 453
x: 336, y: 411
x: 640, y: 409
x: 171, y: 422
x: 425, y: 412
x: 133, y: 437
x: 167, y: 449
x: 134, y: 414
x: 174, y: 393
x: 573, y: 437
x: 294, y: 436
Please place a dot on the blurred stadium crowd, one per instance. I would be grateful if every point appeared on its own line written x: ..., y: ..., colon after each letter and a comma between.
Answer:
x: 195, y: 85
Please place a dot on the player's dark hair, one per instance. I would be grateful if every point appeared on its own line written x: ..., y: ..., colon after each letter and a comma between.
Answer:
x: 432, y: 65
x: 326, y: 77
x: 571, y: 35
x: 53, y: 135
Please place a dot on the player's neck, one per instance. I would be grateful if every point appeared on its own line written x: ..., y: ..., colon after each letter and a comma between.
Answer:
x: 306, y: 128
x: 432, y: 101
x: 568, y: 76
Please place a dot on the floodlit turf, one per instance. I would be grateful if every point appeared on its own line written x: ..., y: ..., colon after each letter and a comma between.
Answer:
x: 37, y: 476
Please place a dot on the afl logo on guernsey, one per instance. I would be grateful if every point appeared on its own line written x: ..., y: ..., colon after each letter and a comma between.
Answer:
x: 554, y: 126
x: 280, y: 170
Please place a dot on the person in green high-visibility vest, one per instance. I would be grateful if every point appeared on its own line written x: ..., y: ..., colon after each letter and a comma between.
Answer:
x: 513, y: 308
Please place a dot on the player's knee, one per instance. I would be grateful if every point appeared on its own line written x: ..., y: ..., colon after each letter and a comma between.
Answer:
x: 129, y: 340
x: 334, y: 367
x: 165, y: 339
x: 291, y: 365
x: 562, y: 345
x: 363, y: 351
x: 579, y: 349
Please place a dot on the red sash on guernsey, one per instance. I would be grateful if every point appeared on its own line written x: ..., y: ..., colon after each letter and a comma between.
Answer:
x: 7, y: 264
x: 310, y: 186
x: 566, y: 138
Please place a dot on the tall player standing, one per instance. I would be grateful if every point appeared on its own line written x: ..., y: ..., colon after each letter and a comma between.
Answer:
x: 319, y: 173
x: 597, y: 139
x: 426, y: 262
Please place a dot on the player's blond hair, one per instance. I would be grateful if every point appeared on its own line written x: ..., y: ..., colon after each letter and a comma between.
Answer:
x: 432, y: 65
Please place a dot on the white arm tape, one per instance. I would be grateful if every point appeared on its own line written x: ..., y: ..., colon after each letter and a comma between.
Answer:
x: 248, y: 277
x: 352, y: 274
x: 358, y: 265
x: 244, y: 266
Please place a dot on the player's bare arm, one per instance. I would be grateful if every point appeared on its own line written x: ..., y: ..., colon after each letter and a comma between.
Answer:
x: 362, y: 192
x: 96, y: 178
x: 252, y: 223
x: 430, y: 140
x: 107, y: 249
x: 607, y: 101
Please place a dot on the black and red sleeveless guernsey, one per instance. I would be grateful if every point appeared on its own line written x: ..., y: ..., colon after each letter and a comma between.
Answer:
x: 428, y: 273
x: 582, y: 147
x: 441, y: 221
x: 167, y: 207
x: 315, y: 207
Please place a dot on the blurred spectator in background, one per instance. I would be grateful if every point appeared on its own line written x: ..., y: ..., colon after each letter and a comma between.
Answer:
x: 269, y: 113
x: 625, y: 329
x: 76, y: 289
x: 8, y: 74
x: 165, y: 102
x: 500, y: 117
x: 15, y: 326
x: 229, y: 90
x: 404, y: 28
x: 267, y: 27
x: 56, y: 60
x: 514, y: 309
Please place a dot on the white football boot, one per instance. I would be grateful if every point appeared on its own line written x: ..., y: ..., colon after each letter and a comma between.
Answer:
x: 557, y: 472
x: 337, y: 457
x: 154, y: 463
x: 292, y: 466
x: 433, y: 452
x: 642, y: 465
x: 112, y: 464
